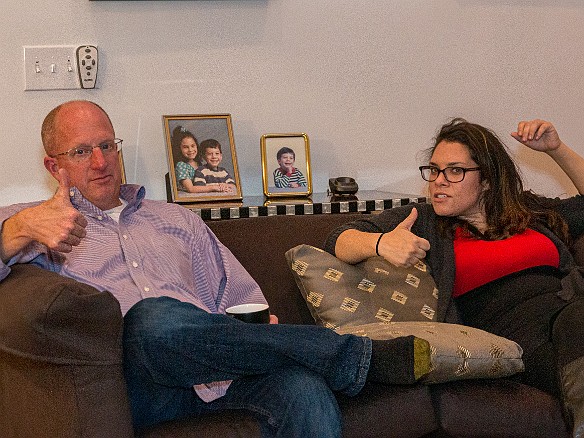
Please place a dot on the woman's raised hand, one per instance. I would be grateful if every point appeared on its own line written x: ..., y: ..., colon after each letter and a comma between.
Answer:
x: 538, y: 135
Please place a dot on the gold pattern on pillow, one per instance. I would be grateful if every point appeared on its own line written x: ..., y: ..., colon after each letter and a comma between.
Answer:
x: 384, y: 315
x: 299, y: 267
x: 333, y: 275
x: 427, y: 311
x: 314, y: 299
x: 339, y: 294
x: 366, y: 285
x: 399, y: 297
x: 350, y: 305
x: 456, y: 352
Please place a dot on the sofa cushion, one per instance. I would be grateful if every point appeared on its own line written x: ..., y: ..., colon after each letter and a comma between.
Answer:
x: 48, y: 317
x: 61, y: 358
x: 404, y: 411
x: 457, y: 352
x: 262, y: 254
x: 339, y: 294
x: 224, y: 424
x: 497, y: 408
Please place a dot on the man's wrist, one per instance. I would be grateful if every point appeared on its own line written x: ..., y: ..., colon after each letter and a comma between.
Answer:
x: 12, y: 239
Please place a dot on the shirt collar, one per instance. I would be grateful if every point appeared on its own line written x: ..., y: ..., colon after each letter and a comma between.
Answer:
x: 131, y: 193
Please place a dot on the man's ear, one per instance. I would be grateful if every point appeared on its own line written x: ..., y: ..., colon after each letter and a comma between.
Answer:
x: 52, y: 166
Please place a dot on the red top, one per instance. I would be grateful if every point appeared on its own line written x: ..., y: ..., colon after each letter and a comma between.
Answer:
x: 481, y: 261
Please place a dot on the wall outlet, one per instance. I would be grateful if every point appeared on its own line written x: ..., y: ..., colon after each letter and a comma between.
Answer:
x: 51, y: 68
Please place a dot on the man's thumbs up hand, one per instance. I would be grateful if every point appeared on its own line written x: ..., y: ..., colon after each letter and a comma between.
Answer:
x: 60, y: 226
x: 54, y: 223
x: 64, y: 186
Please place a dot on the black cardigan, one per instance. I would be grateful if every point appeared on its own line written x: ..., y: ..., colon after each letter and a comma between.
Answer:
x: 440, y: 257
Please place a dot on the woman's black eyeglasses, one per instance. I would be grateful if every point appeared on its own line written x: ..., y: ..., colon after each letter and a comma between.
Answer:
x: 453, y: 174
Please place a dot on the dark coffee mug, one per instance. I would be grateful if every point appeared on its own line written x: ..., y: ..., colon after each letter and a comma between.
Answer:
x: 254, y: 313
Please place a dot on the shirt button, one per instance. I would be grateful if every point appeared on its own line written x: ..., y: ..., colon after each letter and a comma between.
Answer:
x: 100, y: 218
x: 135, y: 264
x: 71, y: 193
x: 146, y: 289
x: 125, y: 236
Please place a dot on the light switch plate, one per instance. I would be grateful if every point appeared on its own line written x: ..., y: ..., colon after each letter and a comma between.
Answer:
x: 51, y: 68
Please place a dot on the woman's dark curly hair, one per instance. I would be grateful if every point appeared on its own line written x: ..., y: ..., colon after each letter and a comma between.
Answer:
x: 509, y: 208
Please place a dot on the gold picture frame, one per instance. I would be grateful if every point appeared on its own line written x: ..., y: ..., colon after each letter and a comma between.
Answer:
x: 286, y: 165
x: 122, y: 167
x: 212, y: 169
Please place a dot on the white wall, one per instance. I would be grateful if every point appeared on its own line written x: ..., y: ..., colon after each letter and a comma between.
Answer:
x: 369, y: 81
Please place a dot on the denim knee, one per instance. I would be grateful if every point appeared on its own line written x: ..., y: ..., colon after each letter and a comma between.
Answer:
x: 155, y: 316
x: 309, y: 407
x: 150, y: 309
x: 147, y: 325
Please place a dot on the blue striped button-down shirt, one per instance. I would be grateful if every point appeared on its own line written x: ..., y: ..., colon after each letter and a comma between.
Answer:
x: 156, y: 249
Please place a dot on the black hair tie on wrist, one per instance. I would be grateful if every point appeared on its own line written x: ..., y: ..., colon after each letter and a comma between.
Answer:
x: 377, y: 244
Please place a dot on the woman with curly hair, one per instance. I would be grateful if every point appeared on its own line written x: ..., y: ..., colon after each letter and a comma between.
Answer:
x: 499, y: 254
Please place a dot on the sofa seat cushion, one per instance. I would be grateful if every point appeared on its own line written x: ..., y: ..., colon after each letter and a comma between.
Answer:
x: 226, y: 424
x: 378, y: 410
x: 497, y: 408
x: 404, y: 411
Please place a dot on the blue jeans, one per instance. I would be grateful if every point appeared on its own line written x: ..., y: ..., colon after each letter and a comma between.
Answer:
x: 285, y: 374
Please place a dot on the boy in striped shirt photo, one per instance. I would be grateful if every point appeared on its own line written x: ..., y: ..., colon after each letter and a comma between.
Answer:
x: 211, y: 174
x: 288, y: 176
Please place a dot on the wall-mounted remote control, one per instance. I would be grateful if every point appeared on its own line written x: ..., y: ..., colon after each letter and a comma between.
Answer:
x: 87, y: 66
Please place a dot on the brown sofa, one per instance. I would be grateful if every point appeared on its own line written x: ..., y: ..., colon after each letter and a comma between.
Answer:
x: 61, y: 376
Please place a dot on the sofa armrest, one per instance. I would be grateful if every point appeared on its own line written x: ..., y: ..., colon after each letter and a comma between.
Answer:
x: 60, y: 358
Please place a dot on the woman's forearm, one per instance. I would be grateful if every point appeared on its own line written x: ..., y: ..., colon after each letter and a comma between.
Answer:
x: 571, y: 163
x: 353, y: 246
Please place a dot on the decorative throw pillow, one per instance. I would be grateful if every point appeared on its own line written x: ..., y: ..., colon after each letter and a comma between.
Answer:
x: 457, y: 352
x: 339, y: 294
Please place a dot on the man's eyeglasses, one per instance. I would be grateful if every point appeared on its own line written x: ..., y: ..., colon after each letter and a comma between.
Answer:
x: 452, y: 174
x: 82, y: 153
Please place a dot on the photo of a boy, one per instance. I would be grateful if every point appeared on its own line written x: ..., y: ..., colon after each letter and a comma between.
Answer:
x: 288, y: 176
x: 211, y: 174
